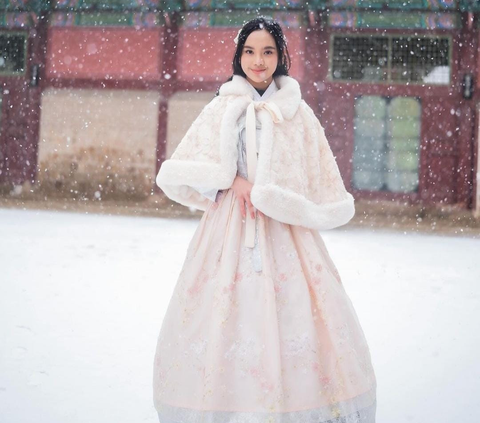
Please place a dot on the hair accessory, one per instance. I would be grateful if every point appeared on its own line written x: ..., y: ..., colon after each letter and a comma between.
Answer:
x: 235, y: 40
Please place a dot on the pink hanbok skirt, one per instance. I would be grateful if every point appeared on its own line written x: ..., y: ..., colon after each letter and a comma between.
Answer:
x: 278, y: 345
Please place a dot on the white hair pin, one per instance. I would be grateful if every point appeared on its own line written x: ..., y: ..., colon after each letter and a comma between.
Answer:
x: 235, y: 40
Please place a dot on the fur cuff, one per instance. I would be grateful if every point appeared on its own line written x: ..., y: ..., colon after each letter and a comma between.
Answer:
x: 294, y: 209
x: 206, y: 175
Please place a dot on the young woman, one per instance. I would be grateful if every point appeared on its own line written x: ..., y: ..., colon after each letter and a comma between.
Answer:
x: 259, y: 328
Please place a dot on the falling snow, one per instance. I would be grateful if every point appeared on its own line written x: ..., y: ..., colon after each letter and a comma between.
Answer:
x: 83, y: 296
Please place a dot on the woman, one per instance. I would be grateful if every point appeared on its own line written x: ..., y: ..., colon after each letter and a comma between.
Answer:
x: 259, y: 328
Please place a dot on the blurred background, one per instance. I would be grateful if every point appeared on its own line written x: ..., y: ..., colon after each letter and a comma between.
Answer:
x: 95, y: 95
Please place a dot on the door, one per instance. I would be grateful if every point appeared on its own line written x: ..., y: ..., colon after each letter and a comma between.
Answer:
x: 19, y: 109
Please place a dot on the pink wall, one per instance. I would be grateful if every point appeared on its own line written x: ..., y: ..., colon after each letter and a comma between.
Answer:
x: 207, y: 53
x: 99, y: 53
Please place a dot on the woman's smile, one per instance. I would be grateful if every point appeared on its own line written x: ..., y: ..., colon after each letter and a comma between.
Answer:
x: 259, y: 58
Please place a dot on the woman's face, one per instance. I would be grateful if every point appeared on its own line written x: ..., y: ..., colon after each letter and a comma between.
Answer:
x: 259, y: 58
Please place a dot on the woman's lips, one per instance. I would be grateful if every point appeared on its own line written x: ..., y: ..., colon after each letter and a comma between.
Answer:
x: 259, y: 71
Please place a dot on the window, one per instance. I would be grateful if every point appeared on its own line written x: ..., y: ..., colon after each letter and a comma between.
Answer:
x: 400, y: 59
x: 360, y: 58
x: 420, y: 60
x: 13, y: 49
x: 387, y: 141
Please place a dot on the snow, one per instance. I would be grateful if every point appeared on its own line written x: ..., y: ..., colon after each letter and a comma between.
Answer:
x: 82, y: 299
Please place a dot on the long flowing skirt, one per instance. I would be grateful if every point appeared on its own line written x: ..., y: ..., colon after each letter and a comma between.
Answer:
x: 279, y: 345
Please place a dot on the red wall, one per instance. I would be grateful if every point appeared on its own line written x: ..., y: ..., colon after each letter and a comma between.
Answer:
x: 98, y: 53
x: 207, y: 53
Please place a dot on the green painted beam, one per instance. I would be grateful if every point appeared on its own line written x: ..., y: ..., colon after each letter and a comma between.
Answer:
x: 469, y: 6
x: 234, y: 5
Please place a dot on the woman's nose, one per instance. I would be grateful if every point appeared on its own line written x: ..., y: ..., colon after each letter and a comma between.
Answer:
x: 259, y: 60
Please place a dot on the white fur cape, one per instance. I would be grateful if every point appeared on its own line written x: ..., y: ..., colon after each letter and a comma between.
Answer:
x: 297, y: 179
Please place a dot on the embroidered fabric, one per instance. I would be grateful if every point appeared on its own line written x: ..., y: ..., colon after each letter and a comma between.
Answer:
x: 361, y: 409
x: 283, y: 345
x: 212, y: 195
x: 242, y: 171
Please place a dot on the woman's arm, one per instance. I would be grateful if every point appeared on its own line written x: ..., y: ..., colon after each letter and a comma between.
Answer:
x: 211, y: 194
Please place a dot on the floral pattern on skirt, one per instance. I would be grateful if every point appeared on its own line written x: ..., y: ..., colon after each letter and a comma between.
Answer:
x: 282, y: 345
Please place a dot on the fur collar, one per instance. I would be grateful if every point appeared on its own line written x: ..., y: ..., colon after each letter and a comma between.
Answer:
x: 287, y: 98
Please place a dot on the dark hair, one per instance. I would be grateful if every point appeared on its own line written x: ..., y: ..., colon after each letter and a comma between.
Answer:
x: 275, y: 30
x: 273, y: 27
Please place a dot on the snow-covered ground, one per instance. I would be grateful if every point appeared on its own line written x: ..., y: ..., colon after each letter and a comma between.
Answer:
x: 82, y: 299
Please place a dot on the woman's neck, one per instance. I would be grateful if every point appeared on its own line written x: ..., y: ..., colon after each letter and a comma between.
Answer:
x: 260, y: 85
x: 260, y: 91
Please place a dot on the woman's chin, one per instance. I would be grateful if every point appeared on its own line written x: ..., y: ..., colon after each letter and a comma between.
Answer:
x: 259, y: 78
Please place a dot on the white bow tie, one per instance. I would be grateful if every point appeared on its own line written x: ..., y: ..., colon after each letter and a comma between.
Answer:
x: 251, y: 150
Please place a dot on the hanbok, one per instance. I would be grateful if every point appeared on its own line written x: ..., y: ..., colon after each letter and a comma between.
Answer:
x: 264, y: 334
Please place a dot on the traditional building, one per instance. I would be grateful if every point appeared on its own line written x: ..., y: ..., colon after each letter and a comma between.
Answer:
x: 95, y: 94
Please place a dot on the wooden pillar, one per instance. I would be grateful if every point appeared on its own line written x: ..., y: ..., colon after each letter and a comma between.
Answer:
x: 36, y: 82
x: 311, y: 69
x: 316, y: 54
x: 168, y: 82
x: 468, y: 46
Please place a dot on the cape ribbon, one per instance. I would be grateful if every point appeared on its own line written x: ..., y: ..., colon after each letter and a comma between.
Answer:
x: 251, y: 151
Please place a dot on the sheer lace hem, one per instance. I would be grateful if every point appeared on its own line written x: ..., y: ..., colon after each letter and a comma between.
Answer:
x: 361, y: 409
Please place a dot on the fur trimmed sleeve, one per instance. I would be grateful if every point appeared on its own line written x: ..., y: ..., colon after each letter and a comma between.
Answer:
x: 302, y: 184
x: 198, y: 160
